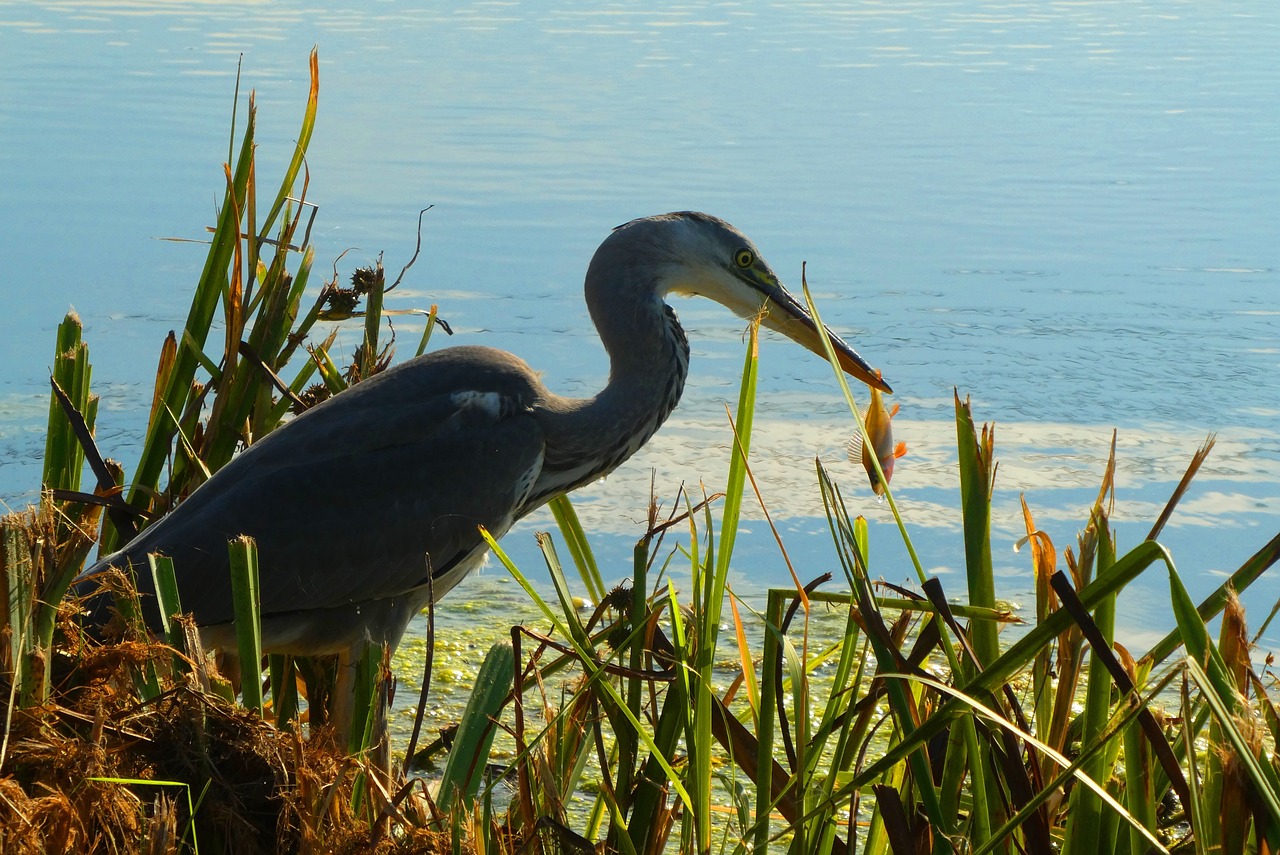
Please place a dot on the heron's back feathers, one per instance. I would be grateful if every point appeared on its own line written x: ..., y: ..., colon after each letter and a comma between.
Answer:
x: 354, y: 500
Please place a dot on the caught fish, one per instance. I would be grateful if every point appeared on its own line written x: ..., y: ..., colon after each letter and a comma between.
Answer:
x: 879, y: 425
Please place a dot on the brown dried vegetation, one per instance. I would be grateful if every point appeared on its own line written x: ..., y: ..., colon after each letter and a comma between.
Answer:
x: 74, y: 770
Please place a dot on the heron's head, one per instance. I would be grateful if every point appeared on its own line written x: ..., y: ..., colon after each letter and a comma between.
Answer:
x: 692, y: 253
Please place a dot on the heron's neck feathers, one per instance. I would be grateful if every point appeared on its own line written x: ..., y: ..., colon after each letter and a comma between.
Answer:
x: 648, y: 363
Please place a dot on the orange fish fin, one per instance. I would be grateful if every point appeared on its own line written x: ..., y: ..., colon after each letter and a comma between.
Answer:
x: 900, y: 449
x: 894, y: 411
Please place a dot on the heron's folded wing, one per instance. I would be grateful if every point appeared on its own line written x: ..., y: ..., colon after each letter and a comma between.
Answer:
x: 353, y: 508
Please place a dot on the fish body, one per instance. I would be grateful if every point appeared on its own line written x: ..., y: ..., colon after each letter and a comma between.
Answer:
x: 879, y: 424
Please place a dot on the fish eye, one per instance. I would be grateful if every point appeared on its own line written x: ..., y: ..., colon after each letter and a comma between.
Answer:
x: 744, y: 258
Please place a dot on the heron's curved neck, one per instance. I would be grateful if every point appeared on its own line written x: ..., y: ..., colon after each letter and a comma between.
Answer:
x: 648, y: 363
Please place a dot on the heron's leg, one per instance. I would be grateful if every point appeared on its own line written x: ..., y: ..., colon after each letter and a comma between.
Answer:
x: 342, y: 706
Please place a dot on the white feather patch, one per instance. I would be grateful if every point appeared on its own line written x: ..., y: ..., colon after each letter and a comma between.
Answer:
x: 489, y: 402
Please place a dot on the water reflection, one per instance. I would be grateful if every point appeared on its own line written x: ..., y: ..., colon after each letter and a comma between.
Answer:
x: 1055, y: 465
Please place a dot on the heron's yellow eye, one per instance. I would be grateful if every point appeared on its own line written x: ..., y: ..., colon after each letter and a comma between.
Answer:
x: 743, y: 258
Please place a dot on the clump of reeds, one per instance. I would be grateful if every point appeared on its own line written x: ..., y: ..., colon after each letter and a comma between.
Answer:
x: 916, y: 730
x: 126, y: 742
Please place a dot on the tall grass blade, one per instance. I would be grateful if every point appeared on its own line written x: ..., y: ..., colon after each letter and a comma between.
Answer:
x: 166, y: 588
x: 290, y: 176
x: 1126, y: 684
x: 148, y: 782
x: 1247, y: 574
x: 329, y: 373
x: 1069, y: 769
x: 710, y: 591
x: 745, y: 660
x: 977, y: 465
x: 579, y: 549
x: 231, y: 271
x: 427, y: 331
x: 1020, y: 654
x: 247, y: 608
x: 464, y: 769
x: 843, y: 383
x: 977, y: 481
x: 1218, y: 689
x: 1193, y: 467
x: 1086, y: 808
x: 284, y: 690
x: 63, y: 455
x: 1044, y: 561
x: 1261, y: 774
x: 595, y: 674
x: 160, y: 431
x: 366, y: 702
x: 165, y: 583
x: 770, y: 678
x: 565, y: 595
x: 20, y: 598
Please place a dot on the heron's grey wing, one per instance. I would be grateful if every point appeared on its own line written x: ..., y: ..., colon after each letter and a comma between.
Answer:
x: 354, y: 506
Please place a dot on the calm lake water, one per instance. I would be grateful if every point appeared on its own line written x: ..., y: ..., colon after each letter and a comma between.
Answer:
x: 1065, y: 210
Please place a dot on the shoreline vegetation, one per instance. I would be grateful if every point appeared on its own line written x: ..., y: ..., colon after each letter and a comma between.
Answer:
x: 663, y: 715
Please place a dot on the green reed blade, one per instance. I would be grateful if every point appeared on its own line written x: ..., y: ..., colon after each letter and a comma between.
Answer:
x: 125, y: 596
x: 1019, y: 654
x: 1139, y: 784
x: 300, y: 149
x: 1218, y: 690
x: 150, y: 782
x: 1069, y: 769
x: 768, y: 717
x: 595, y: 674
x: 63, y: 455
x: 1086, y: 807
x: 977, y: 481
x: 464, y: 769
x: 166, y: 588
x: 1238, y: 581
x: 247, y: 608
x: 208, y: 294
x: 1262, y: 774
x: 165, y: 582
x: 554, y: 568
x: 286, y: 347
x: 20, y: 596
x: 366, y: 706
x: 843, y: 383
x: 710, y: 591
x: 575, y: 539
x: 329, y: 372
x: 426, y: 332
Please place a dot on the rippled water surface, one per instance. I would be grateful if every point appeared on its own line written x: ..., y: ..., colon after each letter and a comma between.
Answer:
x: 1064, y: 210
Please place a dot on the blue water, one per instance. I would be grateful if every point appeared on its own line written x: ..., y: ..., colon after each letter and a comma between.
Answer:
x: 1066, y: 211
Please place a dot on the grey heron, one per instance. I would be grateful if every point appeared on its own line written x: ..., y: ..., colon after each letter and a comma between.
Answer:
x: 358, y: 500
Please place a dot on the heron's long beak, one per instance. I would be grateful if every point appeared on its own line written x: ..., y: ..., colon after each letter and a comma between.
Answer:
x: 786, y: 315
